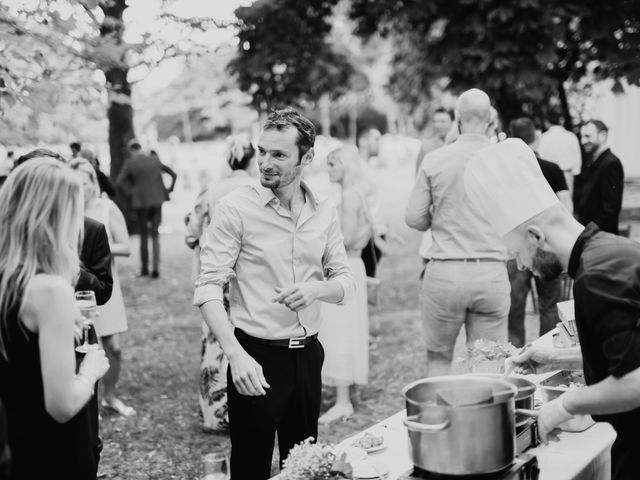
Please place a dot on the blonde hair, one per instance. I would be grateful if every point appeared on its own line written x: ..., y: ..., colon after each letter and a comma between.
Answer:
x: 40, y: 229
x: 348, y: 156
x: 82, y: 165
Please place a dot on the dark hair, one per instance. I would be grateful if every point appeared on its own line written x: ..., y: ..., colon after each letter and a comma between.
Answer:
x: 75, y: 146
x: 523, y: 128
x: 38, y: 152
x: 448, y: 111
x: 241, y: 151
x: 599, y: 124
x: 554, y: 116
x: 288, y: 117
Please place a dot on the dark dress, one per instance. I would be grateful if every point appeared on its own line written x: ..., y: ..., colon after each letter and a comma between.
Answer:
x: 40, y: 446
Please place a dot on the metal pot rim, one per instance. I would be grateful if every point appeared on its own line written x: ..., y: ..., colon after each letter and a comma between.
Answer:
x: 510, y: 390
x: 523, y: 392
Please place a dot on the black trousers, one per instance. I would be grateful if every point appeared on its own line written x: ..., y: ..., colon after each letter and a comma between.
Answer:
x: 370, y: 257
x: 290, y: 408
x: 149, y: 219
x: 624, y: 460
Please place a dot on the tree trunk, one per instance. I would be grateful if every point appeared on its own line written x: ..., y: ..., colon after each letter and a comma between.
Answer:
x: 564, y: 103
x: 119, y: 111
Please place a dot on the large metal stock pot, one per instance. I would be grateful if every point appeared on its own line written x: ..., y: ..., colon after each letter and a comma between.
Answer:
x: 460, y: 440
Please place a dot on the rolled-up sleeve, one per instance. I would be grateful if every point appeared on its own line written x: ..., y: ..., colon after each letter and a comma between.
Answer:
x: 334, y: 261
x: 220, y: 250
x: 418, y: 213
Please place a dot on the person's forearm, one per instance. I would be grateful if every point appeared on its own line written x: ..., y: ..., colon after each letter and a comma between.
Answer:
x: 216, y: 319
x: 329, y: 291
x: 611, y: 395
x: 567, y: 358
x: 120, y: 250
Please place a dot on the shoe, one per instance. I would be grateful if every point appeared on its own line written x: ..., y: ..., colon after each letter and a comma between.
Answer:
x: 119, y: 407
x: 337, y: 412
x: 155, y: 274
x: 143, y: 273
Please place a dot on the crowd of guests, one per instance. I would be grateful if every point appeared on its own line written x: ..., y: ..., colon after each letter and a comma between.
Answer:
x: 281, y: 274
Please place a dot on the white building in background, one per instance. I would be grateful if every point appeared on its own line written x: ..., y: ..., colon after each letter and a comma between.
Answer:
x: 621, y: 113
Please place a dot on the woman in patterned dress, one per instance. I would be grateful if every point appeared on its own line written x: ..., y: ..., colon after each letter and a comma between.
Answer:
x: 213, y: 363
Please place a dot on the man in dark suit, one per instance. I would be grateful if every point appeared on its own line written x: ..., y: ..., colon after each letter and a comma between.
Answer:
x: 598, y: 193
x: 141, y: 178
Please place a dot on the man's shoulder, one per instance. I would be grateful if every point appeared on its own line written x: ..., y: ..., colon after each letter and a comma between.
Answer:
x: 606, y: 253
x: 611, y: 158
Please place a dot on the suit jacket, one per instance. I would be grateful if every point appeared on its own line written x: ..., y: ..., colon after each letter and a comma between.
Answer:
x: 95, y: 262
x: 598, y: 195
x: 141, y: 178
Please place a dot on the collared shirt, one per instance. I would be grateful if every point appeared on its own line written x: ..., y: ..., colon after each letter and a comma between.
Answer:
x: 606, y: 289
x: 561, y: 147
x: 438, y: 200
x: 253, y: 243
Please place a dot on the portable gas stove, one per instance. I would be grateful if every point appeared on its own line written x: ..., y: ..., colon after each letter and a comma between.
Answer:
x: 524, y: 467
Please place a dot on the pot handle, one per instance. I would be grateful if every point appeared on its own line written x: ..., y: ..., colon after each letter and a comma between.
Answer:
x: 414, y: 426
x: 526, y: 412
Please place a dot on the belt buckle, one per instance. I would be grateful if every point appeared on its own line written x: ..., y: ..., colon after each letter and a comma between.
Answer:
x: 296, y: 342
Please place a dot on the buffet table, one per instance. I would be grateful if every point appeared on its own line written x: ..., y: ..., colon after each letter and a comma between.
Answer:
x: 577, y: 456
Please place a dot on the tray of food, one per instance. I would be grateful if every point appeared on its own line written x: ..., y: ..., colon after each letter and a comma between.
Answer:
x: 485, y: 356
x: 559, y: 383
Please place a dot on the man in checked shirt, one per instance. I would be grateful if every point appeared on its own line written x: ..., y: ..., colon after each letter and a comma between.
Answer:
x: 280, y: 248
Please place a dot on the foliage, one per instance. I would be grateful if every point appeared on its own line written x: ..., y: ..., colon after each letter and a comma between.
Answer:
x: 283, y: 56
x: 65, y: 52
x: 520, y: 51
x: 208, y: 93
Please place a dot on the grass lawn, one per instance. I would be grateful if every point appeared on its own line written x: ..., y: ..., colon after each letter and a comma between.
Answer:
x: 161, y: 357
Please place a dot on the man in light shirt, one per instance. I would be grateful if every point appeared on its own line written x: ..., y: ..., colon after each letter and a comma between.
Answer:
x: 562, y: 147
x: 281, y: 249
x: 465, y: 281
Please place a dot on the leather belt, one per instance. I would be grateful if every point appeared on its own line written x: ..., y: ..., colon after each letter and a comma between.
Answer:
x: 468, y: 260
x: 295, y: 342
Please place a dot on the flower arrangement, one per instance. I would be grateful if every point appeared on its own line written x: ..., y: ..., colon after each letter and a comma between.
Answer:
x: 315, y: 461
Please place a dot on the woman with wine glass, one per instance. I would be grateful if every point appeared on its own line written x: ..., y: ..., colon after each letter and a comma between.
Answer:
x: 45, y: 397
x: 112, y: 318
x: 344, y: 332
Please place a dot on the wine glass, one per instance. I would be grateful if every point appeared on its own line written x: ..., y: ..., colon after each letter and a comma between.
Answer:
x: 216, y: 466
x: 88, y: 307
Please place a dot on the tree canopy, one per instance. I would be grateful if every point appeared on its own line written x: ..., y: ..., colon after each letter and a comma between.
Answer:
x: 283, y: 56
x: 520, y: 51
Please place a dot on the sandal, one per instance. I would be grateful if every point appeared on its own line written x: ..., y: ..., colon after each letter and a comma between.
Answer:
x: 337, y: 412
x: 119, y: 407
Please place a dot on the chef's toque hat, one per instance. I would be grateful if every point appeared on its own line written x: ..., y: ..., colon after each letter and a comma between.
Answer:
x: 505, y: 184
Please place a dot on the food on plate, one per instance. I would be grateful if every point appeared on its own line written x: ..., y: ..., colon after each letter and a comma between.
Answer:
x: 368, y: 441
x: 486, y: 356
x: 571, y: 385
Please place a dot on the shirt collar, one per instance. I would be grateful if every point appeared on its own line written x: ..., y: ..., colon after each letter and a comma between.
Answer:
x: 576, y: 252
x: 473, y: 137
x: 267, y: 195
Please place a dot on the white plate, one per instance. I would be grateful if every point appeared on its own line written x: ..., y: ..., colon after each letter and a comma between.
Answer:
x: 370, y: 469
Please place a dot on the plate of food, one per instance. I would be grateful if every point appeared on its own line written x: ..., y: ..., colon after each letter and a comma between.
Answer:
x: 370, y: 442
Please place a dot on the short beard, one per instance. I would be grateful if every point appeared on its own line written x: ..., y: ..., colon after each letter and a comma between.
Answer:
x: 546, y: 265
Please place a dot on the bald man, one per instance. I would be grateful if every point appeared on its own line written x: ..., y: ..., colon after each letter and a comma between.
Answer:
x: 465, y: 281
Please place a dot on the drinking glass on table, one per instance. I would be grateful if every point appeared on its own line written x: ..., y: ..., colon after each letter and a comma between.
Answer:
x: 88, y: 307
x: 216, y: 466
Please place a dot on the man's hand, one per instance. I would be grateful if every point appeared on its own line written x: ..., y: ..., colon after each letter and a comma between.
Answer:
x: 247, y: 375
x: 297, y: 296
x: 551, y: 416
x: 535, y: 359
